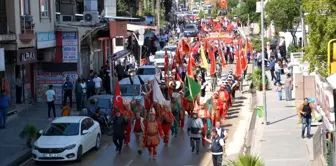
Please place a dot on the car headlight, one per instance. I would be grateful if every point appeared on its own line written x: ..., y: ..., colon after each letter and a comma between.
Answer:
x: 70, y: 147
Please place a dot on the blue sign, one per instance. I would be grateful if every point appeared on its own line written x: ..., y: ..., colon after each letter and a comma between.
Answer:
x: 46, y: 39
x: 69, y: 35
x: 70, y: 49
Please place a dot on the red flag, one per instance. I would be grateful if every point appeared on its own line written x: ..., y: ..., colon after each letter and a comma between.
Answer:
x: 117, y: 99
x: 185, y: 47
x: 189, y: 68
x: 195, y: 48
x: 249, y: 47
x: 238, y: 66
x: 223, y: 4
x: 243, y: 60
x: 166, y: 61
x: 213, y: 62
x: 178, y: 77
x: 221, y: 54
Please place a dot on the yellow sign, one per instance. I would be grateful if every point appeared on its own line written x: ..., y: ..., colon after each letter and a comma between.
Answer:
x: 332, y: 57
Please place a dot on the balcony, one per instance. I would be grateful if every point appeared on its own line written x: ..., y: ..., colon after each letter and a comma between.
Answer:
x: 7, y: 37
x: 27, y: 28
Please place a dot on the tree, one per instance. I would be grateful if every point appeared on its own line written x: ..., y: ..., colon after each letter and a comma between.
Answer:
x: 246, y: 11
x: 321, y: 19
x: 232, y: 4
x: 246, y: 160
x: 284, y: 14
x: 201, y: 14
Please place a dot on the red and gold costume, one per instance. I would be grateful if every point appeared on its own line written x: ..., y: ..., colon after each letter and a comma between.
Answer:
x: 148, y: 98
x: 204, y: 114
x: 223, y: 98
x: 217, y: 107
x: 166, y: 120
x: 128, y: 114
x: 152, y: 133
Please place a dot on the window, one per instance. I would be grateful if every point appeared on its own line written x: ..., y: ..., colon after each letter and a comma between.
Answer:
x: 25, y: 8
x: 44, y: 8
x: 119, y: 41
x: 62, y: 129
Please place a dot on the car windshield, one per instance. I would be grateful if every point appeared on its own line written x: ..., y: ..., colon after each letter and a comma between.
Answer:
x: 146, y: 71
x: 62, y: 129
x: 159, y: 55
x: 104, y: 103
x: 190, y: 27
x: 130, y: 90
x: 171, y: 49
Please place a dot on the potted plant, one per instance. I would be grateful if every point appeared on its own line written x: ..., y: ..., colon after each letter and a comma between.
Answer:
x: 29, y: 133
x: 246, y: 160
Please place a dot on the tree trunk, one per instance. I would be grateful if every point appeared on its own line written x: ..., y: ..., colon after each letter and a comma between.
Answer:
x: 158, y: 11
x: 145, y: 4
x: 140, y: 7
x: 153, y: 7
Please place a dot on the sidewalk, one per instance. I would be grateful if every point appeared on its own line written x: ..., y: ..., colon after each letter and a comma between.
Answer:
x: 280, y: 143
x: 12, y: 147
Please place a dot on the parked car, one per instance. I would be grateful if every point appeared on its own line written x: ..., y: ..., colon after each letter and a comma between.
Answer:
x: 190, y: 30
x: 171, y: 49
x: 149, y: 72
x: 66, y: 139
x: 159, y: 58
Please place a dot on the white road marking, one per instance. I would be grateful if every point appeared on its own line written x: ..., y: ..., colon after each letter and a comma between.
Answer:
x: 26, y: 162
x: 129, y: 163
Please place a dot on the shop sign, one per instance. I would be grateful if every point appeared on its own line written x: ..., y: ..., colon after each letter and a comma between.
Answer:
x: 2, y: 59
x: 118, y: 28
x: 45, y: 40
x: 324, y: 96
x: 26, y: 55
x: 69, y: 47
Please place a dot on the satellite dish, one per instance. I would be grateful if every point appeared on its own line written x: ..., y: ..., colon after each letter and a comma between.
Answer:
x: 88, y: 17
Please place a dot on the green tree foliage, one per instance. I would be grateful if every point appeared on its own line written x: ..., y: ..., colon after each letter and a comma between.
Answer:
x: 245, y: 11
x: 232, y: 4
x: 246, y: 160
x: 214, y: 12
x: 201, y: 14
x: 321, y: 19
x: 285, y: 15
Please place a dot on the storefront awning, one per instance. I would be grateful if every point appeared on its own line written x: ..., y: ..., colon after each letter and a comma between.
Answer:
x: 135, y: 27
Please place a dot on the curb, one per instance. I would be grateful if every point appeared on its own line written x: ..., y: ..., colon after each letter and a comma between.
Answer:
x: 249, y: 137
x: 20, y: 158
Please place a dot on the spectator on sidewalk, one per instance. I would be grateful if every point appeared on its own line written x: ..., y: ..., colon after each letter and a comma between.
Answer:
x: 307, y: 112
x: 50, y: 95
x: 90, y: 85
x: 18, y: 83
x: 97, y: 83
x: 288, y: 87
x: 217, y: 148
x: 272, y: 63
x: 277, y: 70
x: 67, y: 89
x: 78, y: 93
x: 4, y: 104
x: 84, y: 92
x: 279, y: 91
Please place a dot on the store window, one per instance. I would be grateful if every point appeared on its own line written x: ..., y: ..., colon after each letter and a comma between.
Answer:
x: 24, y: 7
x: 44, y: 8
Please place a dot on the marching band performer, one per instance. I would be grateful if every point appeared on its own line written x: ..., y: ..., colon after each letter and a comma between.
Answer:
x: 128, y: 115
x: 167, y: 119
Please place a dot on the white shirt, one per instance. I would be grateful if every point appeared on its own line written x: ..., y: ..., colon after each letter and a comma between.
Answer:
x: 97, y: 82
x: 277, y: 67
x: 50, y: 95
x: 151, y: 58
x: 83, y: 85
x: 219, y: 131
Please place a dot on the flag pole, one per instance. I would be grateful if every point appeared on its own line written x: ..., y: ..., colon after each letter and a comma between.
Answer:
x: 263, y: 61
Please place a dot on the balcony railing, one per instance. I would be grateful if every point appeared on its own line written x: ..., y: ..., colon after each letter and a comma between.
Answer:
x: 27, y: 28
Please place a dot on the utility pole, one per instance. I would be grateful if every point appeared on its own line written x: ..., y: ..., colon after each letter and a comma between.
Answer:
x: 263, y: 61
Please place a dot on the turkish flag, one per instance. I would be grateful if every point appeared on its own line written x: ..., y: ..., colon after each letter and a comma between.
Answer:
x: 223, y: 3
x: 117, y: 99
x: 213, y: 62
x: 239, y: 71
x: 185, y: 47
x: 190, y: 67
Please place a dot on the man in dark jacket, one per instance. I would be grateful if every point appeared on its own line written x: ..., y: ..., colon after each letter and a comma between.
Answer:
x: 119, y: 123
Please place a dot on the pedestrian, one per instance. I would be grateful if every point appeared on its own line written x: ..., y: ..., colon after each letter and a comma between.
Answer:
x: 279, y: 91
x: 90, y: 85
x: 138, y: 129
x: 18, y: 83
x: 175, y: 109
x: 152, y: 132
x: 97, y: 83
x: 271, y: 66
x: 50, y: 95
x: 67, y: 89
x: 288, y: 87
x: 79, y: 93
x: 221, y: 130
x: 4, y: 104
x: 129, y: 116
x: 307, y: 112
x: 84, y: 92
x: 217, y: 148
x: 277, y: 71
x: 107, y: 82
x: 195, y: 128
x: 119, y: 124
x: 167, y: 119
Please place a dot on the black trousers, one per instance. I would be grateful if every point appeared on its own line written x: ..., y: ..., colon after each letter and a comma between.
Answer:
x: 217, y: 160
x: 272, y: 74
x: 67, y: 95
x: 18, y: 94
x: 195, y: 142
x: 118, y: 142
x: 90, y: 92
x: 51, y: 105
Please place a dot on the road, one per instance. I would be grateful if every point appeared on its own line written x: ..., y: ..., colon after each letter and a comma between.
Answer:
x: 178, y: 153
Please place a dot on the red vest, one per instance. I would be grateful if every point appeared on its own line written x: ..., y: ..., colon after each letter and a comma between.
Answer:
x: 137, y: 126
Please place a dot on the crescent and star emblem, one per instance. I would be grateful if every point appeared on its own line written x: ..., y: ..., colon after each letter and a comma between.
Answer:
x: 118, y: 97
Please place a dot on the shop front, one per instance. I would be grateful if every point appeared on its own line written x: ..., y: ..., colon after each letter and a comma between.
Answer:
x: 26, y: 58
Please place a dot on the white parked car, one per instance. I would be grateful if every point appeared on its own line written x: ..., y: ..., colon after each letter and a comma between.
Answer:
x: 159, y: 58
x: 171, y: 49
x: 149, y: 72
x: 66, y: 139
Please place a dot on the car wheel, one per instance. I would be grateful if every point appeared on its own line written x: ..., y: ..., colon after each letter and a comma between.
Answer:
x: 97, y: 142
x: 79, y: 153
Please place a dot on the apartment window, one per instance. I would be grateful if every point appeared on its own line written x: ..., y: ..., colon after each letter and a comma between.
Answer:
x: 44, y: 8
x: 25, y: 7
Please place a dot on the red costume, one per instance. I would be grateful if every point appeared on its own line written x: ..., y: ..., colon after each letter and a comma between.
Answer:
x: 128, y: 114
x: 166, y: 121
x: 152, y: 132
x: 223, y: 99
x: 148, y: 100
x: 203, y: 113
x: 217, y: 107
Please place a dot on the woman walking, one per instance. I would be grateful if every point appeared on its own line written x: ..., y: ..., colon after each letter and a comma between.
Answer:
x: 288, y: 87
x: 79, y: 93
x: 83, y: 85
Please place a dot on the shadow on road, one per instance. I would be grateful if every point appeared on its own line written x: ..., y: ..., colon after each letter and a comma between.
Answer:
x: 282, y: 119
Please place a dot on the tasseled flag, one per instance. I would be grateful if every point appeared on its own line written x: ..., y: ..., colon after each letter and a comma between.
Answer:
x: 213, y: 62
x: 221, y: 53
x: 203, y: 59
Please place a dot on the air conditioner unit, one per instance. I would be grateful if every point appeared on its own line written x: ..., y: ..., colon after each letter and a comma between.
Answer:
x: 66, y: 18
x: 91, y: 17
